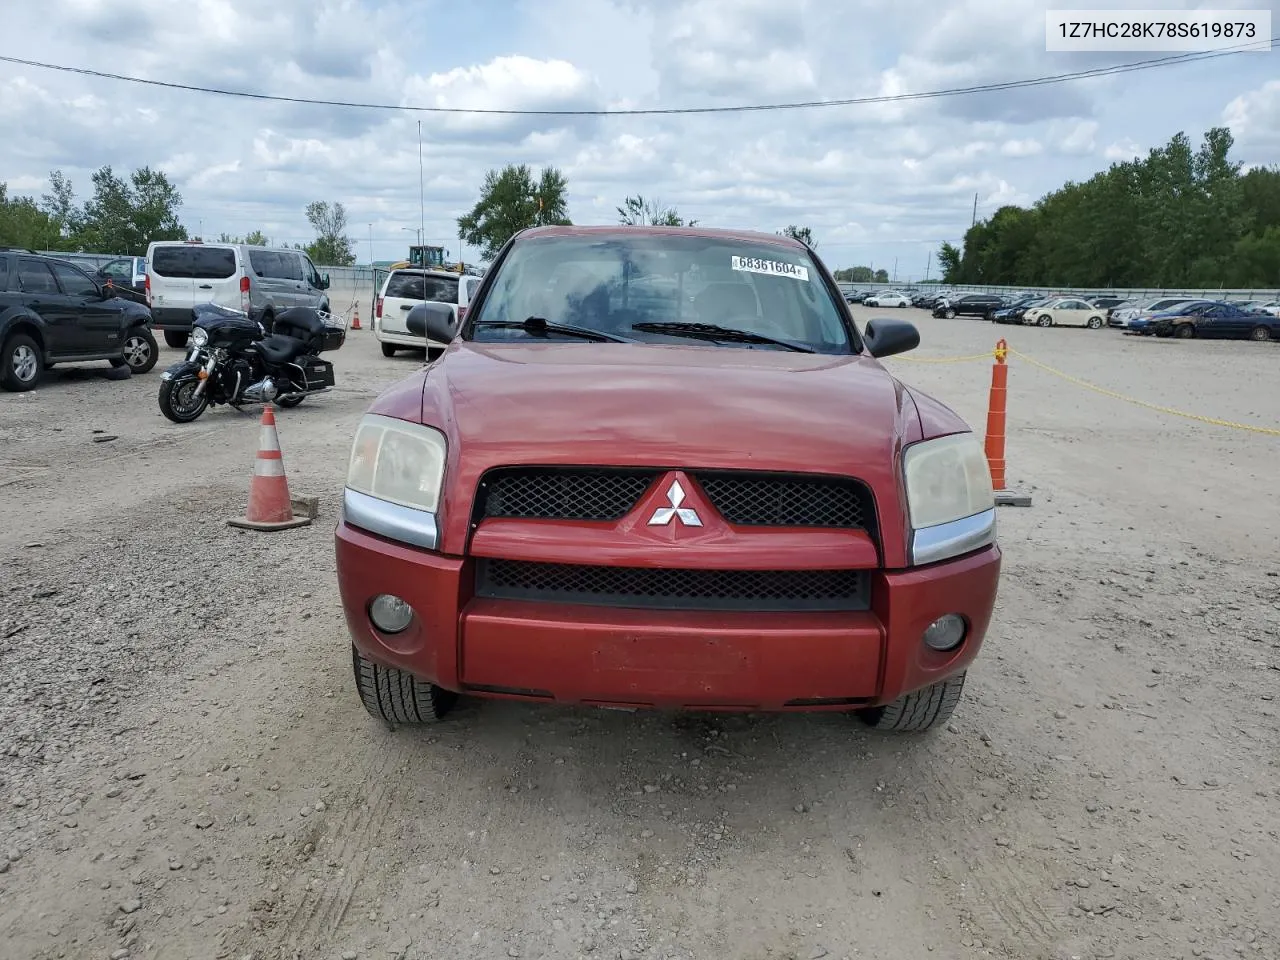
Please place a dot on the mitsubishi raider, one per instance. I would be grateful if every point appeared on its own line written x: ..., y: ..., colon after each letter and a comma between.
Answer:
x: 662, y: 467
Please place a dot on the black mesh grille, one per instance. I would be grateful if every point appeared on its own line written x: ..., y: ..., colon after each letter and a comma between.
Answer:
x: 750, y: 499
x: 552, y: 493
x: 742, y: 498
x: 758, y: 590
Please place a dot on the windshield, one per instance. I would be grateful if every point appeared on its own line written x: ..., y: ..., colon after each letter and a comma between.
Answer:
x: 611, y: 283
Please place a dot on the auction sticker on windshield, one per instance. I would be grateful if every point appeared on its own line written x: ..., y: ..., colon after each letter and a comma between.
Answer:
x: 772, y: 268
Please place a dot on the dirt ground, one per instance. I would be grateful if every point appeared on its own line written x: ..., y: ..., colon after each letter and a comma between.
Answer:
x: 185, y: 771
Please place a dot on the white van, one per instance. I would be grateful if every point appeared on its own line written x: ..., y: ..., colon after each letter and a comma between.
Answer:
x: 406, y: 287
x: 258, y: 280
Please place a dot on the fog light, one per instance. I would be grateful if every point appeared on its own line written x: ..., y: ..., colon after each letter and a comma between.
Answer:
x: 390, y: 614
x: 945, y: 633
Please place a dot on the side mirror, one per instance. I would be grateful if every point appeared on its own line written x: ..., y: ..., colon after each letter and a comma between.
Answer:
x: 324, y: 281
x: 886, y: 337
x: 434, y: 321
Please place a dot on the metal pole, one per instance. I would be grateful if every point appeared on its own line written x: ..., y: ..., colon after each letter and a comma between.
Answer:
x: 895, y: 269
x: 422, y: 196
x: 371, y: 246
x: 975, y: 211
x: 927, y: 264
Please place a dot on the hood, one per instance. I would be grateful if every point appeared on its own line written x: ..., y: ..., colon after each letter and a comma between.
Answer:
x: 666, y: 405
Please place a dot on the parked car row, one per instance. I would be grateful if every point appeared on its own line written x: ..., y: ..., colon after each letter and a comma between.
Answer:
x: 1162, y: 317
x: 1208, y: 319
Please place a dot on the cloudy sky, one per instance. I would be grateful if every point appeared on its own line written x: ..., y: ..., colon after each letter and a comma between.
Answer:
x: 876, y: 183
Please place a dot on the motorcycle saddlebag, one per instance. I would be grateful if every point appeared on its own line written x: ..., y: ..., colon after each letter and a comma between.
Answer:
x: 334, y: 338
x: 319, y: 373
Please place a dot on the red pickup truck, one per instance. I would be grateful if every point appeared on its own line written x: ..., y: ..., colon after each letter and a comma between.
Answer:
x: 662, y: 467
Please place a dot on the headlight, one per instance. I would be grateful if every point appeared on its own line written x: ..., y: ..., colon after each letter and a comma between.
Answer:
x: 398, y: 462
x: 950, y: 500
x: 199, y: 336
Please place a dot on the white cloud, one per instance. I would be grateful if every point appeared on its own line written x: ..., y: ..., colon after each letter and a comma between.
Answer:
x: 1254, y: 117
x: 1080, y: 137
x: 1125, y: 149
x: 1029, y: 147
x: 874, y: 181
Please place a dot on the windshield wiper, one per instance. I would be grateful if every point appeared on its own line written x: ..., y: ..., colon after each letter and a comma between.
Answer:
x: 710, y: 331
x: 541, y: 325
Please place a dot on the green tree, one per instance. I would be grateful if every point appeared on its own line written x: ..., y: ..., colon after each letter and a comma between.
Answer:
x: 637, y: 212
x: 124, y: 216
x: 882, y: 276
x: 60, y: 206
x: 511, y: 201
x: 255, y: 238
x: 855, y: 275
x: 1183, y: 216
x: 23, y: 223
x: 949, y: 263
x: 803, y: 234
x: 331, y: 247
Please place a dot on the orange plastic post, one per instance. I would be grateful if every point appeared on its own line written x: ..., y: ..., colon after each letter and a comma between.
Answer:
x: 996, y: 408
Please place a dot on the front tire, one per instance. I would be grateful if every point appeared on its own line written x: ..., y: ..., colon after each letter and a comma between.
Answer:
x: 1045, y: 321
x: 176, y: 338
x: 140, y: 351
x: 1095, y: 323
x: 20, y: 363
x: 178, y: 401
x: 918, y: 711
x: 1260, y: 333
x: 388, y: 350
x: 949, y: 314
x: 396, y: 697
x: 1184, y: 331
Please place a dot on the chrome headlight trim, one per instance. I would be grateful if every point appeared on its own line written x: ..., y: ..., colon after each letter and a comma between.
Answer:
x: 417, y: 528
x: 947, y: 540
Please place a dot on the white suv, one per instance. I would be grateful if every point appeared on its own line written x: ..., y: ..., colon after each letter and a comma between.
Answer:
x: 406, y: 287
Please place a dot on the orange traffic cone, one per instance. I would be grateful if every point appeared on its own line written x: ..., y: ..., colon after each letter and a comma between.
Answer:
x: 270, y: 507
x: 355, y: 323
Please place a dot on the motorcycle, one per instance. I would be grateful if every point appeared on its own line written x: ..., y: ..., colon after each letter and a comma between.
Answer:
x: 231, y: 359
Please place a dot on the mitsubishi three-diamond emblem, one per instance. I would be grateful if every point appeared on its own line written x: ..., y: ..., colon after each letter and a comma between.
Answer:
x: 686, y: 515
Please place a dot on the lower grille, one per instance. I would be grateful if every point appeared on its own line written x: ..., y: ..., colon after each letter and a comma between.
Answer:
x: 672, y: 589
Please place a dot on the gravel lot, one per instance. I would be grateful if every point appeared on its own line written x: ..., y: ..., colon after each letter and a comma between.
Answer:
x: 185, y: 770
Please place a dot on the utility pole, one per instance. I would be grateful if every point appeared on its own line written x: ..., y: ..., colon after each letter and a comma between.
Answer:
x: 974, y: 221
x: 371, y: 246
x: 421, y: 188
x: 895, y: 269
x: 927, y: 264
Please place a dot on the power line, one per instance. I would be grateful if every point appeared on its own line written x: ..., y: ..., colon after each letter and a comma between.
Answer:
x: 1131, y: 67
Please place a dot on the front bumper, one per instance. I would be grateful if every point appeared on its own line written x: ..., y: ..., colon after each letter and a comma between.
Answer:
x: 570, y: 653
x: 171, y: 318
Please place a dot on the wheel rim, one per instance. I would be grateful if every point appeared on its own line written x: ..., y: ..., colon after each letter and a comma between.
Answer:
x: 25, y: 363
x: 1045, y: 321
x: 136, y: 351
x: 1095, y: 323
x: 1261, y: 333
x: 184, y: 400
x: 1184, y: 333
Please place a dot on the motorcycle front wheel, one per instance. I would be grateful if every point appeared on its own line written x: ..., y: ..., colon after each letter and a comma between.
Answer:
x: 178, y: 400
